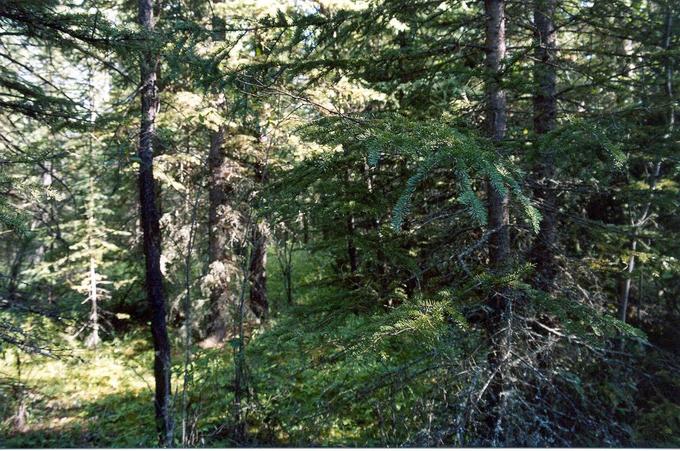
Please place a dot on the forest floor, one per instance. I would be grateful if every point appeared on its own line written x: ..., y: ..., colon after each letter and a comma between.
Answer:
x: 92, y: 398
x: 330, y: 370
x: 104, y: 397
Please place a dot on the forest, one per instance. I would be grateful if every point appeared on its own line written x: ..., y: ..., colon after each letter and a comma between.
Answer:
x: 347, y: 223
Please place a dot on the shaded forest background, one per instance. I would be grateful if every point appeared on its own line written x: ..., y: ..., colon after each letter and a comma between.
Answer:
x: 336, y: 222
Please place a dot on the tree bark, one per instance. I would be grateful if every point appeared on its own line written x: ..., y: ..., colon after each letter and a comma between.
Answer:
x: 220, y: 250
x: 93, y: 340
x: 499, y: 217
x: 625, y: 293
x: 151, y: 228
x: 352, y: 253
x: 351, y: 248
x: 15, y: 269
x: 258, y: 275
x: 545, y: 116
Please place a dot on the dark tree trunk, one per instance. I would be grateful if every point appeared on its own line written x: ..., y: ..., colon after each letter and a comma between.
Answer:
x: 351, y: 231
x: 545, y: 115
x: 499, y: 219
x: 15, y: 269
x: 305, y: 229
x: 258, y: 275
x: 499, y: 242
x: 380, y: 257
x: 151, y: 229
x: 284, y: 255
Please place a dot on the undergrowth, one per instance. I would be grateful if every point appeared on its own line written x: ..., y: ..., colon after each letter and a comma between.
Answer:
x: 328, y: 370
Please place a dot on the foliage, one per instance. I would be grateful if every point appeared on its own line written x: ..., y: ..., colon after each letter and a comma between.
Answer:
x: 334, y: 158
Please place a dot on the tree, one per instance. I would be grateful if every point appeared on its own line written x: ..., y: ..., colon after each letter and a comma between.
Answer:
x: 496, y: 122
x: 499, y: 217
x: 545, y: 116
x: 150, y: 224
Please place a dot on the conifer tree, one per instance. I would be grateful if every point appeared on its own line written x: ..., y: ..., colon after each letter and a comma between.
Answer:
x: 545, y: 116
x: 149, y: 61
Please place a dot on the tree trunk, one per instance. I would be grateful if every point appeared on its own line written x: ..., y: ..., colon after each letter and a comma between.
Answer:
x: 151, y: 228
x: 305, y: 229
x: 93, y: 340
x: 15, y: 269
x: 545, y: 115
x: 258, y: 274
x: 380, y: 257
x: 351, y: 248
x: 284, y: 255
x: 625, y: 294
x: 258, y: 261
x: 219, y: 247
x: 499, y: 242
x: 499, y: 219
x: 351, y: 231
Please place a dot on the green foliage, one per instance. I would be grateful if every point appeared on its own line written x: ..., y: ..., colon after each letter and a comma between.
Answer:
x: 11, y: 220
x: 579, y: 141
x: 355, y: 372
x: 427, y: 147
x: 354, y: 131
